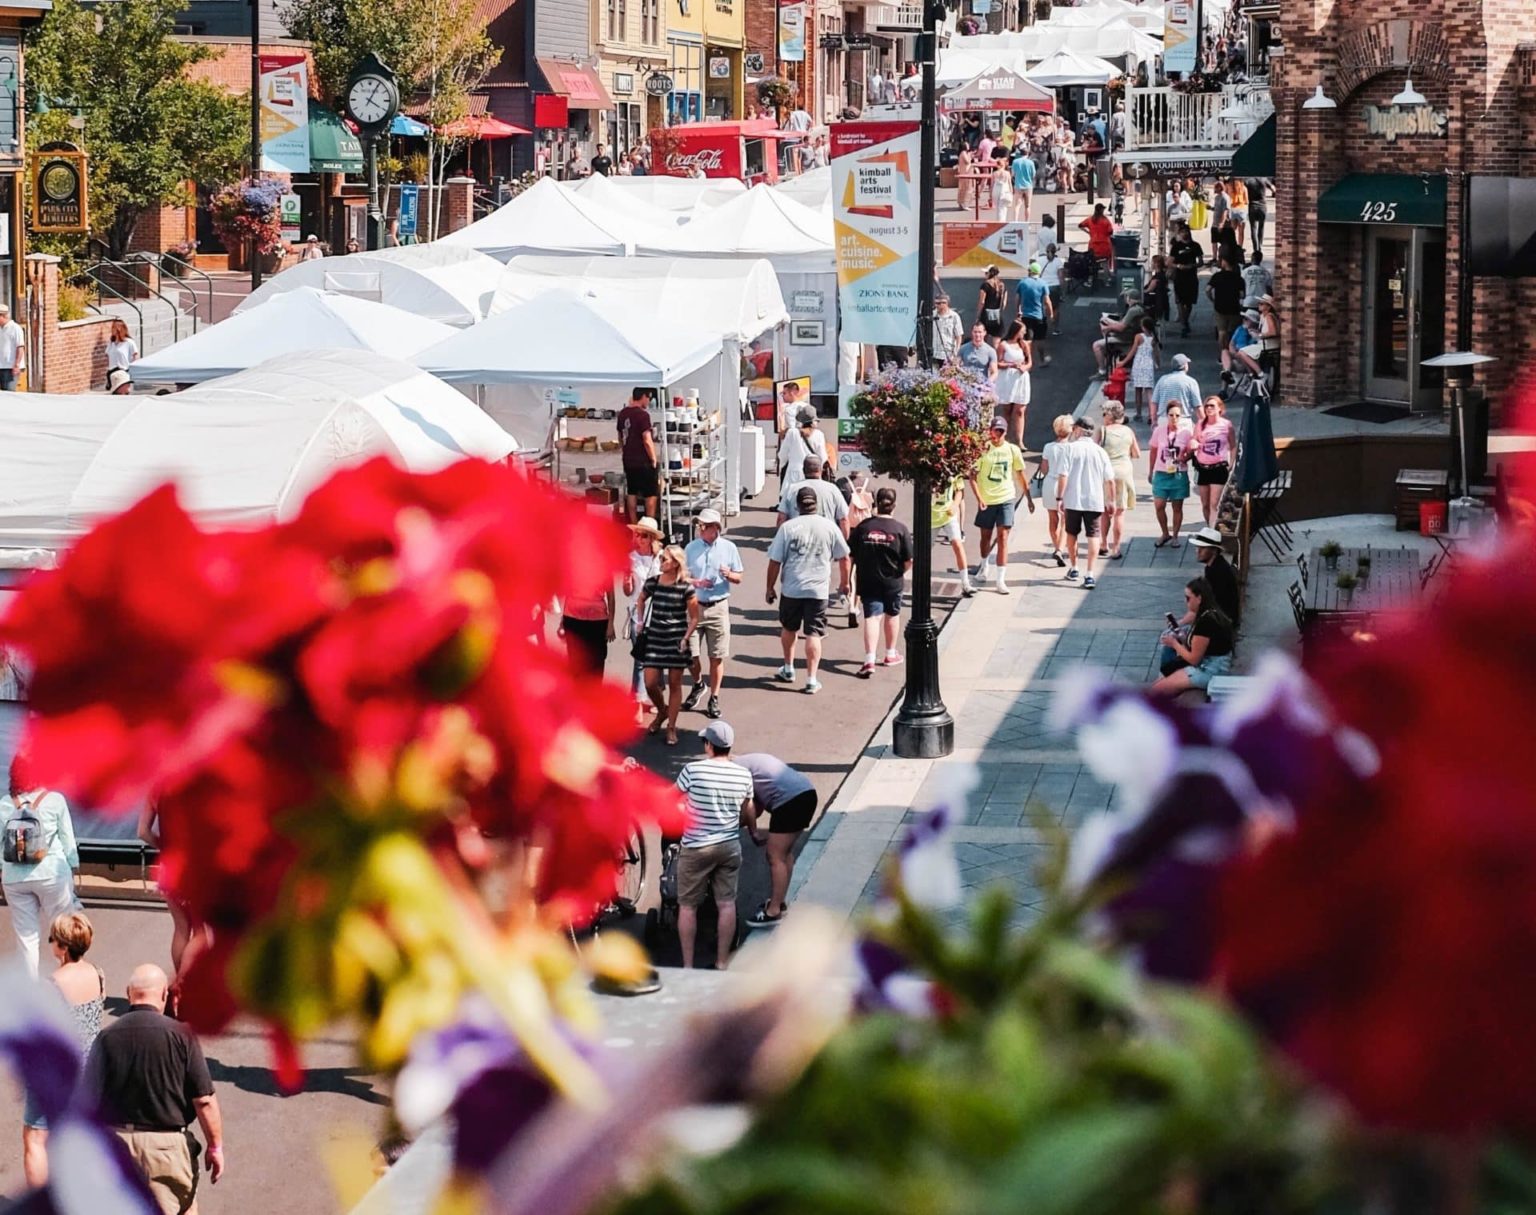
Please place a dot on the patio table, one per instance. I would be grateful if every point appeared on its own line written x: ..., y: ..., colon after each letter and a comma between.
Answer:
x: 1394, y: 584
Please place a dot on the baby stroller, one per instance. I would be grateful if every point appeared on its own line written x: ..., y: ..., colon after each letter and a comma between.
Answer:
x: 1081, y: 269
x: 663, y: 919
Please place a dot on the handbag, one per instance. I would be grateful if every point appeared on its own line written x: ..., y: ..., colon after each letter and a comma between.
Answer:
x: 638, y: 637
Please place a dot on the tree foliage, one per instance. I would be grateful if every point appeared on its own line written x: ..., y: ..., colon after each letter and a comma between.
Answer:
x: 148, y: 128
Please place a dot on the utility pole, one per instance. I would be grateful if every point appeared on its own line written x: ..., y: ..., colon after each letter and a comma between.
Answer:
x: 923, y: 728
x: 255, y: 125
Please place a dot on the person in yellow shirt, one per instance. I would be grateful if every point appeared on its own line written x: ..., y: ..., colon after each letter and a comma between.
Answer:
x: 997, y: 482
x: 945, y: 517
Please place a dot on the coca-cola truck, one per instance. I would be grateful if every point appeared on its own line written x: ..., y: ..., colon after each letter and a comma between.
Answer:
x: 746, y: 150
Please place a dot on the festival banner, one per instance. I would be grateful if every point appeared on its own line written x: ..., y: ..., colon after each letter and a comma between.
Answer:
x: 1181, y: 36
x: 977, y: 246
x: 875, y: 223
x: 284, y: 114
x: 792, y: 33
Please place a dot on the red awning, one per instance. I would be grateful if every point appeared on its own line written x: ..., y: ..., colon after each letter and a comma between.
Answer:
x: 578, y: 83
x: 480, y: 126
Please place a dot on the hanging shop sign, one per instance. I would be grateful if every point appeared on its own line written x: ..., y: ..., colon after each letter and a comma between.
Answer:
x: 719, y: 68
x: 59, y: 190
x: 753, y: 62
x: 875, y: 229
x: 658, y: 84
x: 284, y: 114
x: 1391, y: 121
x: 551, y: 111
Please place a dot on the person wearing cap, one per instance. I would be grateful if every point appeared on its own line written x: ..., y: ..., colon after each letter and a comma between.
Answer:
x: 789, y: 800
x: 312, y: 250
x: 719, y: 796
x: 882, y: 558
x: 637, y: 453
x: 803, y: 440
x: 121, y: 351
x: 996, y: 482
x: 829, y: 499
x: 948, y: 331
x: 1035, y: 308
x: 1085, y: 482
x: 13, y: 344
x: 644, y: 564
x: 804, y: 548
x: 1178, y: 386
x: 714, y: 566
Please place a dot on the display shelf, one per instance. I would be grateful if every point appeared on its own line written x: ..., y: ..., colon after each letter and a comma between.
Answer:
x: 693, y: 460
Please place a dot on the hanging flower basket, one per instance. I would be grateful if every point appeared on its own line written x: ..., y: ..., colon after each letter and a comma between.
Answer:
x: 923, y: 425
x: 250, y: 209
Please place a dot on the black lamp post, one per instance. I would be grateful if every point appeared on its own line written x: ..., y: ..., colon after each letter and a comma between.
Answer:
x: 924, y: 729
x: 255, y: 125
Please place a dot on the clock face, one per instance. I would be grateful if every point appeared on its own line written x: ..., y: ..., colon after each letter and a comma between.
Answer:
x: 370, y: 99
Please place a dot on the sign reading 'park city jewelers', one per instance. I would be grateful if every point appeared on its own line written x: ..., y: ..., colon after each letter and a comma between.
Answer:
x: 1392, y: 121
x: 59, y: 190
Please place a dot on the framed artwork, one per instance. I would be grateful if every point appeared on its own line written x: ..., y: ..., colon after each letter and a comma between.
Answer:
x: 807, y: 333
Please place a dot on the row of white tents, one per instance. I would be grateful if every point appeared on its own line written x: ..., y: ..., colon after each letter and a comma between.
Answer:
x: 1085, y: 45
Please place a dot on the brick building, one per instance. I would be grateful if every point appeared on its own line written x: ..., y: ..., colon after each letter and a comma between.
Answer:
x: 1368, y: 249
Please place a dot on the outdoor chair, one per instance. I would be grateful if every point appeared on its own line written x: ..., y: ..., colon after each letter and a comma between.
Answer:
x: 1298, y: 606
x: 1301, y: 564
x: 1269, y: 524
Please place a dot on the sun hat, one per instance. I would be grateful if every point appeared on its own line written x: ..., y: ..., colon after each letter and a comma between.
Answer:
x: 1208, y: 537
x: 648, y: 525
x: 708, y: 516
x: 116, y: 378
x: 311, y: 237
x: 1252, y: 314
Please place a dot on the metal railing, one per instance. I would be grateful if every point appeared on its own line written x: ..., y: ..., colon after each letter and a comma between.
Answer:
x: 94, y: 274
x: 1164, y: 117
x: 895, y: 16
x: 191, y: 291
x: 89, y: 275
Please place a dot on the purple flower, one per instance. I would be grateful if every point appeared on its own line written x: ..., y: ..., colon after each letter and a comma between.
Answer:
x: 929, y: 873
x: 886, y: 984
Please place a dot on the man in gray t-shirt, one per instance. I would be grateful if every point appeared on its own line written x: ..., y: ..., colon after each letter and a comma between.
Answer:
x: 804, y: 548
x: 829, y: 499
x: 978, y: 355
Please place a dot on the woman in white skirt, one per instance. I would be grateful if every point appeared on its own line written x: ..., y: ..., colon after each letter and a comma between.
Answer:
x: 1014, y: 359
x: 40, y: 858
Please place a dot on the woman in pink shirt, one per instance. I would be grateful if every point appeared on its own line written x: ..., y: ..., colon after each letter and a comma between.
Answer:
x: 1213, y: 455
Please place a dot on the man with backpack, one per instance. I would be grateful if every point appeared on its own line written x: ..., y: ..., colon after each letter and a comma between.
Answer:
x: 38, y: 858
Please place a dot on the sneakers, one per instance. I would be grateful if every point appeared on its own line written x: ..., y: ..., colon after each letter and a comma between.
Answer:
x: 1061, y: 558
x: 853, y: 615
x: 713, y: 711
x: 812, y: 686
x: 1089, y: 583
x: 1002, y: 588
x: 761, y: 919
x: 1072, y: 574
x: 785, y: 674
x: 967, y: 591
x: 691, y: 701
x: 894, y: 659
x: 866, y: 670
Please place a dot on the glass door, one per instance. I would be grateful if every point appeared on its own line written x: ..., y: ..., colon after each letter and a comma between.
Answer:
x: 1404, y: 315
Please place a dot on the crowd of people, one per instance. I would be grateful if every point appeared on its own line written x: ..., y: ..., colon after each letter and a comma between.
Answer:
x: 1029, y: 153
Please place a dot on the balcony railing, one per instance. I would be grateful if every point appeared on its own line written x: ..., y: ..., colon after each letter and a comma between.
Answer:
x: 894, y: 16
x: 1165, y: 118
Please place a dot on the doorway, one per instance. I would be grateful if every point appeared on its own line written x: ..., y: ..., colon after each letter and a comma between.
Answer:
x: 1404, y: 315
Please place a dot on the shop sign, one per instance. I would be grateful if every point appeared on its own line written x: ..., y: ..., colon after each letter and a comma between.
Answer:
x: 831, y: 42
x: 706, y: 160
x: 658, y: 84
x: 59, y: 191
x: 719, y: 67
x: 857, y: 42
x: 551, y: 111
x: 1391, y: 121
x: 409, y: 214
x: 753, y: 61
x: 624, y: 82
x: 291, y: 215
x: 285, y: 113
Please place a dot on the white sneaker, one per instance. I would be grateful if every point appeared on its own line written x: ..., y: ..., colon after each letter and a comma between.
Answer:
x: 1002, y: 588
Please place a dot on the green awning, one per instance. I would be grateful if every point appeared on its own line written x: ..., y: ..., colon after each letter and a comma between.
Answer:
x: 333, y: 148
x: 1256, y: 156
x: 1414, y: 199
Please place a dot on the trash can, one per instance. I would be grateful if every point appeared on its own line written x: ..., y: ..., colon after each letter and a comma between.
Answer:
x: 1127, y: 246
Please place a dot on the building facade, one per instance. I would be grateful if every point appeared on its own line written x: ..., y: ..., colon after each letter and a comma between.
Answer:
x: 1368, y: 259
x: 630, y: 37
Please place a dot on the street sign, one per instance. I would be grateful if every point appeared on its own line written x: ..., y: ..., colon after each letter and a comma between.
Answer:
x: 410, y: 207
x: 291, y: 216
x: 59, y: 190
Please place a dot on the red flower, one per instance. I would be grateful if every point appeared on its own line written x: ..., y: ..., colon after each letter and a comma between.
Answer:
x: 1388, y: 941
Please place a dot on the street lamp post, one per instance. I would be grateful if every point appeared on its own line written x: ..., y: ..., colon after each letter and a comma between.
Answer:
x: 255, y: 125
x: 924, y: 729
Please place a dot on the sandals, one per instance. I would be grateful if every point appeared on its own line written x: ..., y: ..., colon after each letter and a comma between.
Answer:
x: 1160, y: 543
x: 671, y: 738
x: 655, y: 726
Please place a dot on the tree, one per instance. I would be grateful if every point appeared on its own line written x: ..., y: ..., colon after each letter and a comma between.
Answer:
x: 149, y: 130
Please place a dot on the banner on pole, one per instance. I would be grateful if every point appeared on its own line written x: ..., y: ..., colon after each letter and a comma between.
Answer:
x: 410, y: 210
x: 976, y: 246
x: 284, y: 114
x: 1181, y: 36
x: 875, y: 220
x: 792, y: 33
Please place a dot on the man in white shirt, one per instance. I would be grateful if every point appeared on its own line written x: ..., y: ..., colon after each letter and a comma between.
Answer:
x: 13, y: 343
x: 719, y: 795
x: 1086, y: 481
x: 799, y: 120
x: 948, y: 331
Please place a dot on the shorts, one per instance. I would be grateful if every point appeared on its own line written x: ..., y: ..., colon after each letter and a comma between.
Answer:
x: 1170, y: 486
x: 712, y: 639
x: 948, y: 531
x: 880, y: 600
x: 806, y: 616
x: 793, y: 816
x: 710, y: 867
x: 1083, y: 521
x: 1201, y: 676
x: 168, y: 1162
x: 1212, y: 474
x: 997, y: 515
x: 1055, y: 294
x: 1226, y: 325
x: 1035, y: 327
x: 642, y: 482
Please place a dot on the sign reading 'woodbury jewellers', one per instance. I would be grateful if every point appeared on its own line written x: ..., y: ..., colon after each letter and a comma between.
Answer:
x: 1391, y: 121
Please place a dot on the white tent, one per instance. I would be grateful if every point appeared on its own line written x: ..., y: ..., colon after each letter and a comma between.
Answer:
x: 303, y: 319
x: 562, y: 337
x: 548, y: 218
x: 739, y: 297
x: 960, y: 64
x: 444, y: 284
x: 1067, y: 68
x: 246, y: 449
x: 1001, y: 89
x: 679, y: 195
x: 813, y: 188
x: 763, y: 222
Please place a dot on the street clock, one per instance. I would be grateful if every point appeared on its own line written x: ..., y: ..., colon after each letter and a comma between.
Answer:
x: 372, y: 96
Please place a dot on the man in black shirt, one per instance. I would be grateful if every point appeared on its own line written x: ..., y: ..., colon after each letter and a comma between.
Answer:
x: 148, y: 1074
x: 602, y: 163
x: 1257, y: 211
x: 1226, y: 292
x: 882, y: 555
x: 1186, y: 256
x: 1210, y: 552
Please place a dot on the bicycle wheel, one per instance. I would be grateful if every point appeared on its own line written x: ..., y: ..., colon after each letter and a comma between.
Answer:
x: 632, y: 864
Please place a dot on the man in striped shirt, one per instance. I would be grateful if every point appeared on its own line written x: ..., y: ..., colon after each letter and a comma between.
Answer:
x: 719, y: 795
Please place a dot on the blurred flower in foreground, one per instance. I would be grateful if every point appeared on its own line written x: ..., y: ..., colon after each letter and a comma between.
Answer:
x: 89, y: 1170
x: 1387, y: 940
x: 330, y: 714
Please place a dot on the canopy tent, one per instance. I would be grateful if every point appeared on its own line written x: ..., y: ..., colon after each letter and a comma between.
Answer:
x: 246, y: 449
x: 607, y: 192
x: 1000, y: 89
x: 1020, y: 51
x: 763, y: 222
x: 547, y: 218
x: 958, y: 65
x: 481, y: 126
x: 739, y: 297
x: 813, y: 188
x: 564, y: 337
x: 405, y: 125
x: 435, y: 281
x: 1067, y: 68
x: 679, y: 195
x: 302, y: 319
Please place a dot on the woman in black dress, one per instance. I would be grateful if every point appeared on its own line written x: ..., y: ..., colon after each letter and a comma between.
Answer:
x: 991, y: 302
x: 669, y: 614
